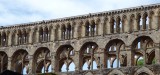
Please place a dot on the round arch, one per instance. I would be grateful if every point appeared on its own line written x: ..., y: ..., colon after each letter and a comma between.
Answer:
x: 89, y: 54
x: 115, y: 72
x: 64, y: 56
x: 41, y: 59
x: 144, y: 70
x: 113, y: 57
x: 20, y: 60
x: 4, y: 61
x: 143, y: 46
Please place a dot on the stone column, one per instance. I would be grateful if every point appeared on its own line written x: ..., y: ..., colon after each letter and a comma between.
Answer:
x: 101, y: 27
x: 32, y: 67
x: 77, y: 61
x: 102, y: 58
x: 76, y: 31
x: 118, y: 26
x: 155, y: 22
x: 52, y: 35
x: 137, y: 24
x: 150, y: 22
x: 30, y: 37
x: 109, y: 28
x: 9, y: 39
x: 144, y: 23
x: 59, y: 34
x: 126, y: 26
x: 130, y: 56
x: 37, y: 36
x: 83, y: 31
x: 53, y: 62
x: 157, y: 53
x: 16, y: 39
x: 9, y: 67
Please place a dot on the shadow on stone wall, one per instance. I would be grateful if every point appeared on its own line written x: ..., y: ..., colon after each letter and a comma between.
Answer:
x: 8, y: 72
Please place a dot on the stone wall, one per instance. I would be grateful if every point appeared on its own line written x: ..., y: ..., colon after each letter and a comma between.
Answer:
x: 115, y: 40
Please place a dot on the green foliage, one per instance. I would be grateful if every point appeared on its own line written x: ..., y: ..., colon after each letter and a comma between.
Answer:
x: 154, y: 61
x: 140, y: 62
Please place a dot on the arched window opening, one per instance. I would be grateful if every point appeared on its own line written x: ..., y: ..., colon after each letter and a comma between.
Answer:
x: 116, y: 63
x: 139, y: 45
x: 20, y: 38
x: 113, y: 49
x: 71, y: 67
x: 3, y: 62
x: 144, y: 50
x: 139, y: 20
x: 93, y: 28
x: 89, y: 49
x: 143, y: 73
x: 64, y: 32
x: 88, y: 29
x: 71, y: 53
x: 139, y: 60
x: 85, y: 66
x: 65, y: 54
x: 95, y: 65
x: 25, y: 69
x: 88, y: 55
x: 112, y: 26
x: 67, y: 66
x: 69, y: 32
x: 20, y: 61
x: 113, y: 63
x: 42, y: 60
x: 4, y: 39
x: 147, y: 23
x: 118, y: 25
x: 89, y: 64
x: 47, y: 69
x: 25, y: 37
x: 40, y: 35
x: 145, y: 19
x: 64, y: 68
x: 46, y: 35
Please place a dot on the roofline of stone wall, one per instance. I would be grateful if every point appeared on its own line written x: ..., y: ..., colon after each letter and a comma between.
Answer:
x: 110, y: 12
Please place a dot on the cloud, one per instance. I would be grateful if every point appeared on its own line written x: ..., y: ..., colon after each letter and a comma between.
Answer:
x: 22, y: 11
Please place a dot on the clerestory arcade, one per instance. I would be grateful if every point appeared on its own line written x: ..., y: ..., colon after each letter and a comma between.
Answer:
x: 104, y: 43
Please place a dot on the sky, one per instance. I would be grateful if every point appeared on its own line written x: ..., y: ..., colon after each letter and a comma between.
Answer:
x: 24, y: 11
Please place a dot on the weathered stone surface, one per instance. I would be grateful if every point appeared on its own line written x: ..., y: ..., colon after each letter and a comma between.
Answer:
x: 114, y: 40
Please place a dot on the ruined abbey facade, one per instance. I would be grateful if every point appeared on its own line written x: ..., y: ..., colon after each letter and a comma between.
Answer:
x: 107, y: 43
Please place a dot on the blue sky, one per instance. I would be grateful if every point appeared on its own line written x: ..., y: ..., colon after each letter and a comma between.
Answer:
x: 23, y: 11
